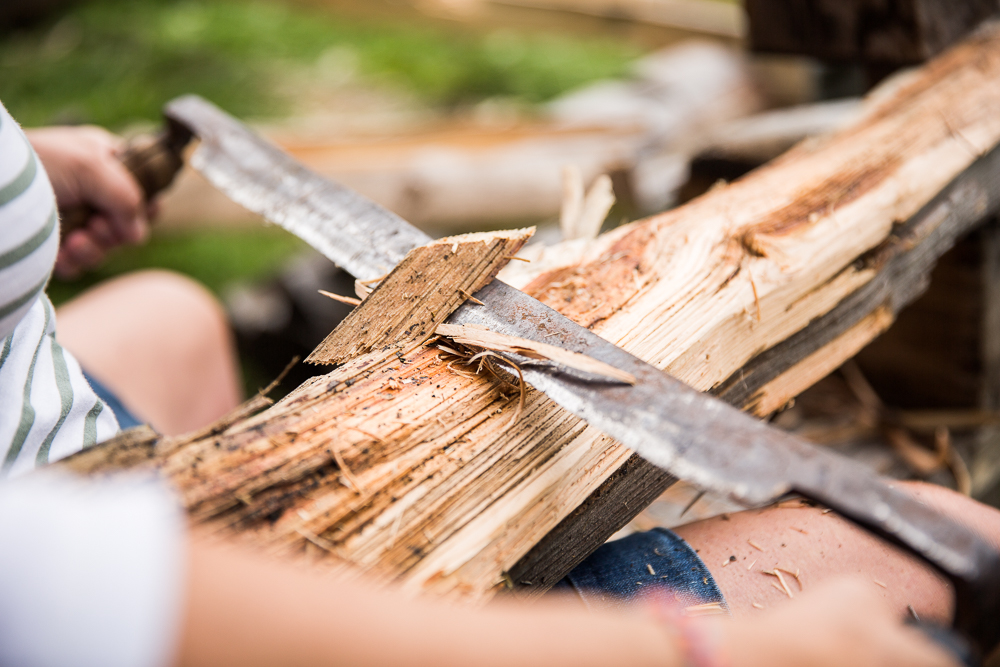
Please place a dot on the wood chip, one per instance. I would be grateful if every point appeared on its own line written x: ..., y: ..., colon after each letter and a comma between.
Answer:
x: 920, y: 459
x: 362, y: 290
x: 419, y: 294
x: 497, y: 342
x: 755, y: 545
x: 750, y: 566
x: 349, y: 300
x: 339, y: 458
x: 879, y: 583
x: 323, y: 544
x: 651, y: 570
x: 794, y: 574
x: 707, y: 609
x: 784, y: 584
x: 471, y: 298
x: 757, y: 605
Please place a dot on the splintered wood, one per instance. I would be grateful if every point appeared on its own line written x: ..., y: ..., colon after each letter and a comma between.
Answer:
x: 413, y: 470
x: 425, y: 288
x: 491, y: 340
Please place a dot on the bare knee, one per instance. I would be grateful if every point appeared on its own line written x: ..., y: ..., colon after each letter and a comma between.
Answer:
x: 761, y: 558
x: 161, y: 342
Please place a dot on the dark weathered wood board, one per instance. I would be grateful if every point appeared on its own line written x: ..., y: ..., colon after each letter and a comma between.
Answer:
x: 890, y: 32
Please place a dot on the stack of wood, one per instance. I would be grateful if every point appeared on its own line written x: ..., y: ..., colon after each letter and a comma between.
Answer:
x: 422, y: 468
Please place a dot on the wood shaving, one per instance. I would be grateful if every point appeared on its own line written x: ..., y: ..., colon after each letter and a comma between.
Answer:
x: 313, y: 538
x: 358, y: 487
x: 795, y: 574
x: 471, y: 298
x: 349, y: 300
x: 707, y: 609
x: 497, y: 342
x: 651, y: 570
x: 784, y: 585
x: 419, y: 294
x: 755, y: 545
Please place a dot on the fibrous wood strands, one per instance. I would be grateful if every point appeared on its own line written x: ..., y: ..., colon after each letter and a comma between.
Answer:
x: 754, y: 291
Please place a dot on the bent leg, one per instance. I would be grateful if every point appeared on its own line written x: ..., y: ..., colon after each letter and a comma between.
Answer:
x: 159, y: 341
x: 817, y: 545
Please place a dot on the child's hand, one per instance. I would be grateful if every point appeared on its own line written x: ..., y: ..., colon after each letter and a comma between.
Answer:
x: 81, y: 163
x: 840, y: 623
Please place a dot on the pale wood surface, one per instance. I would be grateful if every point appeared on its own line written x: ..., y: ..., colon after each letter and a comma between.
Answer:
x: 413, y: 470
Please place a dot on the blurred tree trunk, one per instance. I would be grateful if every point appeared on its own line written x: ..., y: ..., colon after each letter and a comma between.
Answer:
x: 888, y: 33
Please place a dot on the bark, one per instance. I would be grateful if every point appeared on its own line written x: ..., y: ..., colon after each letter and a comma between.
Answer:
x: 413, y: 471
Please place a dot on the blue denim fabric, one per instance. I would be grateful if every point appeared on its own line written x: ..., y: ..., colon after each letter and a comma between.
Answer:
x: 125, y: 417
x: 620, y: 571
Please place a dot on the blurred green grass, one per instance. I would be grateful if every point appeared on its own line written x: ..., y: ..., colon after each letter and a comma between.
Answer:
x: 114, y: 62
x: 215, y: 256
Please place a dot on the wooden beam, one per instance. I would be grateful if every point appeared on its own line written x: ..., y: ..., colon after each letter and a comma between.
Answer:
x: 414, y: 470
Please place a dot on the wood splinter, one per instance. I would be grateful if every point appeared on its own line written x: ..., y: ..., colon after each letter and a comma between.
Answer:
x: 497, y: 342
x: 425, y: 288
x: 784, y: 585
x: 349, y: 300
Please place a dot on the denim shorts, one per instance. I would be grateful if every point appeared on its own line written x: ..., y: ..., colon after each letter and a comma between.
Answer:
x: 126, y: 419
x: 621, y: 571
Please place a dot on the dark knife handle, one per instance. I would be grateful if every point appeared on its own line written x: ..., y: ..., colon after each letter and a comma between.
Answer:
x: 153, y: 160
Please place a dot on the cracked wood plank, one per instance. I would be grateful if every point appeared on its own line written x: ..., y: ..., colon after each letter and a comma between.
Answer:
x: 445, y: 495
x: 419, y: 294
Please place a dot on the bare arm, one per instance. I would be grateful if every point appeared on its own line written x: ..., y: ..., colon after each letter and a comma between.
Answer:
x: 245, y: 610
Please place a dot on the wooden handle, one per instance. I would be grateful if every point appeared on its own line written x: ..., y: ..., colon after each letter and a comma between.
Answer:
x: 153, y: 160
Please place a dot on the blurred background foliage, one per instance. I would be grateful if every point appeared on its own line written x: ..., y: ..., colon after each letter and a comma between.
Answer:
x: 115, y: 62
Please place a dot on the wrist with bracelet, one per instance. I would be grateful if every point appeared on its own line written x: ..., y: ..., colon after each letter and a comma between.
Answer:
x: 699, y: 642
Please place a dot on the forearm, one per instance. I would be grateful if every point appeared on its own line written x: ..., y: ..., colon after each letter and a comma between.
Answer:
x: 248, y: 611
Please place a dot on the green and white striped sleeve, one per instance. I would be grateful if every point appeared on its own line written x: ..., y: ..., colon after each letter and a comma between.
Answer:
x: 47, y: 408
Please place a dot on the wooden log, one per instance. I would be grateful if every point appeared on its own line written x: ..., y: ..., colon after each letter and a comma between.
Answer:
x: 903, y: 32
x: 413, y: 470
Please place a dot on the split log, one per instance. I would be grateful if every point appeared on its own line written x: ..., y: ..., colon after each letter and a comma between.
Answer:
x: 412, y: 470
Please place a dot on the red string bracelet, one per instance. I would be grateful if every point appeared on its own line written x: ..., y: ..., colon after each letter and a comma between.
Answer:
x: 698, y: 641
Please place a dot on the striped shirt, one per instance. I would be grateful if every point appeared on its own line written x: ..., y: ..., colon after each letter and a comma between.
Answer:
x: 47, y: 408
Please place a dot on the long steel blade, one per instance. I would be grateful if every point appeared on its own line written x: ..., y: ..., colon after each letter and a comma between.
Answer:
x: 692, y: 435
x: 357, y: 234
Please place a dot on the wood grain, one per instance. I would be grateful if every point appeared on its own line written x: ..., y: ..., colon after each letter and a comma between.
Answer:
x: 425, y: 288
x: 411, y: 470
x: 903, y: 32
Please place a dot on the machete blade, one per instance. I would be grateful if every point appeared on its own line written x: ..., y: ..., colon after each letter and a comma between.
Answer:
x: 691, y: 435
